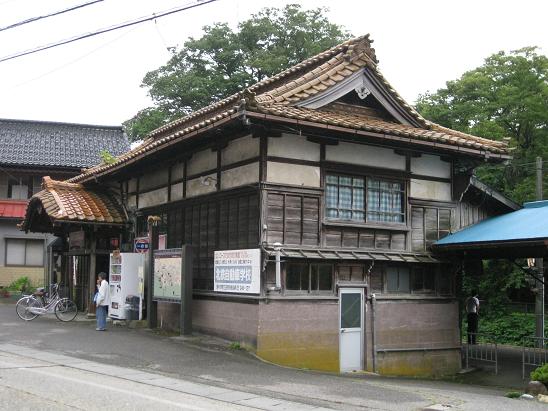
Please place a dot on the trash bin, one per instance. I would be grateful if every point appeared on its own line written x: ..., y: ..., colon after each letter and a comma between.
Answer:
x: 132, y: 307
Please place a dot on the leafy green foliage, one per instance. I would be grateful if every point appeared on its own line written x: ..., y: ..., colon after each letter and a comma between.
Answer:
x: 540, y: 374
x: 505, y: 97
x: 513, y: 394
x: 224, y: 61
x: 510, y: 328
x: 21, y: 284
x: 106, y: 157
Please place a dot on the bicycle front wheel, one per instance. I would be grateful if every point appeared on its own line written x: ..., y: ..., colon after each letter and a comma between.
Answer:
x: 26, y: 308
x: 66, y: 310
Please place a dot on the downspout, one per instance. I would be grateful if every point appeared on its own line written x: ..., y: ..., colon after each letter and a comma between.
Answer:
x: 373, y: 336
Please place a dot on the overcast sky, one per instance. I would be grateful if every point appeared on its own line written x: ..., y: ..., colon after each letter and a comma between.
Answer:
x: 420, y: 45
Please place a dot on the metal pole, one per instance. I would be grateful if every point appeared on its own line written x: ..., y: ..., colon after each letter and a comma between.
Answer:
x: 539, y: 300
x: 373, y: 336
x: 153, y: 232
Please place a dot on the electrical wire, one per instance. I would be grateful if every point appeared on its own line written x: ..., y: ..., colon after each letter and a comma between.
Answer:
x: 45, y: 16
x: 197, y: 3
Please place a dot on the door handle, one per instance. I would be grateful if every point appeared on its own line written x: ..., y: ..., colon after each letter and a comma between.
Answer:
x: 343, y: 330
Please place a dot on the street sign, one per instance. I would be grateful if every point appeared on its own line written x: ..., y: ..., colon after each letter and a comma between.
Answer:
x: 141, y: 245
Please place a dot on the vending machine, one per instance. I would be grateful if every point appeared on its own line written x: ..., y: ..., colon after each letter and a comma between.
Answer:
x: 124, y: 281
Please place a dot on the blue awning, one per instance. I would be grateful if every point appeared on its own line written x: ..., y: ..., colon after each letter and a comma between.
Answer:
x: 528, y: 225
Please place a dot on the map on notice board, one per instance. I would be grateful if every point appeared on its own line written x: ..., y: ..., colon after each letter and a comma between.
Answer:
x: 167, y: 274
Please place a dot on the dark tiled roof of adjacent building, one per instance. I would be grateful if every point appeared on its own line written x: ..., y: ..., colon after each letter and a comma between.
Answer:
x: 282, y: 95
x: 51, y: 144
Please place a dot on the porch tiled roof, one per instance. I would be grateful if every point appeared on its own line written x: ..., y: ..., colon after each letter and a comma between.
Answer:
x: 281, y: 94
x: 70, y: 202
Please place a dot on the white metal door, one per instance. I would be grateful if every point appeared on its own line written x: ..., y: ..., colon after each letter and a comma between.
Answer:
x: 351, y: 329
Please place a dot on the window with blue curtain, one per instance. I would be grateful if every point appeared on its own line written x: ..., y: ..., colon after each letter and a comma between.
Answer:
x: 345, y: 199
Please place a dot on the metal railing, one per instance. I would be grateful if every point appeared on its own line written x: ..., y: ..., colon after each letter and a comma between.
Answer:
x: 534, y: 353
x: 481, y: 347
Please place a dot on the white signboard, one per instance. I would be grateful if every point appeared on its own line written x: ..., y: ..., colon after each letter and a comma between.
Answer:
x: 238, y: 271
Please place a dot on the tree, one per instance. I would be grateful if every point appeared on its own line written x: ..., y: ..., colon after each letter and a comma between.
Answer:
x: 505, y: 97
x: 224, y: 61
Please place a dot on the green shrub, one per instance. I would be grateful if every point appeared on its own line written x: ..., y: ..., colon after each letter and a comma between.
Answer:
x: 509, y: 328
x: 540, y: 374
x: 22, y: 284
x: 513, y: 394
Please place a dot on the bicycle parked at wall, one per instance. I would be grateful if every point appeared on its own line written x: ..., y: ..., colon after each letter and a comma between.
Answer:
x: 40, y: 303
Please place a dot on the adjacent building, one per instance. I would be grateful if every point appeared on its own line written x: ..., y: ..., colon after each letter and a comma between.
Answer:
x: 325, y: 168
x: 30, y: 150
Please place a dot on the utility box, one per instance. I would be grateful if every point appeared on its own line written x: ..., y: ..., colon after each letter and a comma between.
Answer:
x: 132, y: 307
x: 124, y: 281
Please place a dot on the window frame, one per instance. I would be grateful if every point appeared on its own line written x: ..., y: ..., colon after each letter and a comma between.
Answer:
x: 309, y: 291
x: 26, y: 240
x: 398, y: 267
x: 366, y: 179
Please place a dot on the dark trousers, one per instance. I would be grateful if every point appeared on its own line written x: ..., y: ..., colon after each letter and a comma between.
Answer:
x: 472, y: 327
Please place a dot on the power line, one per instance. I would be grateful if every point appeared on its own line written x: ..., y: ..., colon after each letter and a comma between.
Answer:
x: 196, y: 3
x: 45, y: 16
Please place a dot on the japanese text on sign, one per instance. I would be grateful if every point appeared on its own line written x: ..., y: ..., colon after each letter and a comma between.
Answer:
x: 237, y: 271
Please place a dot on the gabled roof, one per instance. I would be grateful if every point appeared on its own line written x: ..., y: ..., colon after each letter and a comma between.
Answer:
x: 60, y: 201
x: 49, y: 144
x: 302, y: 93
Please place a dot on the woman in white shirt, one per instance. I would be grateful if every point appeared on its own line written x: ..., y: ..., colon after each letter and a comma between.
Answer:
x: 102, y: 302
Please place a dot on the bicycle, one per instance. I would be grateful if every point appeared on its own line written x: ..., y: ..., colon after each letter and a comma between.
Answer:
x: 40, y: 303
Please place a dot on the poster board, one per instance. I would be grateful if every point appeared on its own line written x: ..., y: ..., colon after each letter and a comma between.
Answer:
x: 167, y: 274
x: 238, y: 271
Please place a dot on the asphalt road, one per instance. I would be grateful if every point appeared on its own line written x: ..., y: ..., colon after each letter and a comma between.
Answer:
x: 201, y: 361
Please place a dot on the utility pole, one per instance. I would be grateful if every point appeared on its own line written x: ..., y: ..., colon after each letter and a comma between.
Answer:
x: 539, y: 263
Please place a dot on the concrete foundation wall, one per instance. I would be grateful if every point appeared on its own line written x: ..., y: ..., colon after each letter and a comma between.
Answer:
x: 300, y: 334
x: 414, y: 325
x: 231, y: 320
x: 10, y: 274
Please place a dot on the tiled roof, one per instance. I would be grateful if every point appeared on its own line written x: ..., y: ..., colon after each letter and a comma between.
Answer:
x: 49, y: 144
x: 282, y: 94
x: 436, y: 134
x: 13, y: 208
x: 71, y: 202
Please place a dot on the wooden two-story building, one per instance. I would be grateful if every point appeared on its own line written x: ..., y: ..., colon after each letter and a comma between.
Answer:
x: 327, y: 166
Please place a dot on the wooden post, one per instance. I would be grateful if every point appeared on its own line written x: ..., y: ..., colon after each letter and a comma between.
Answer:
x: 153, y: 234
x: 539, y: 298
x: 186, y: 290
x: 92, y: 273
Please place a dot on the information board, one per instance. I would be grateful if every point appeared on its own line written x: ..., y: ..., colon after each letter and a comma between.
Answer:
x: 167, y: 274
x: 238, y: 271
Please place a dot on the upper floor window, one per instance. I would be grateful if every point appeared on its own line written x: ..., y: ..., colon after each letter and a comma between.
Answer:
x: 428, y: 225
x: 24, y: 252
x: 346, y: 199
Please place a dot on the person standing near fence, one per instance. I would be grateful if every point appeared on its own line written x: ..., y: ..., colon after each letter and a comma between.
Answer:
x: 102, y: 302
x: 472, y: 311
